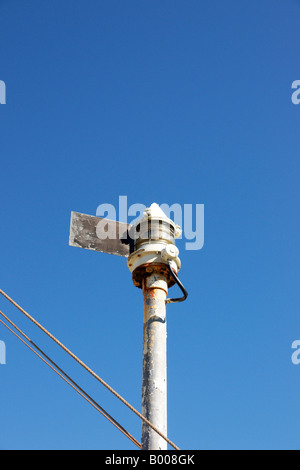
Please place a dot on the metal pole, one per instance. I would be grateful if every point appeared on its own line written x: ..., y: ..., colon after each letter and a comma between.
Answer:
x: 154, y: 392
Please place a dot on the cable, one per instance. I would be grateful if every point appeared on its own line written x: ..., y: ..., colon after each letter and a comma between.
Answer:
x: 86, y: 397
x: 68, y: 379
x: 90, y: 371
x: 179, y: 283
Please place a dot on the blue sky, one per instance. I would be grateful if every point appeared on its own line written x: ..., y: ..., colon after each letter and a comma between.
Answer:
x: 183, y: 102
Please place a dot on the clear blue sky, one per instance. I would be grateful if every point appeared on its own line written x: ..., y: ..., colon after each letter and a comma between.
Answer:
x: 168, y: 102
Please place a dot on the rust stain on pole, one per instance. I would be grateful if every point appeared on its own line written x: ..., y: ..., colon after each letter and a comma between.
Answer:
x: 154, y: 404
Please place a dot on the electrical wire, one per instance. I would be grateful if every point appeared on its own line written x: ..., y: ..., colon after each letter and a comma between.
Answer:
x: 116, y: 394
x: 67, y: 378
x: 179, y: 283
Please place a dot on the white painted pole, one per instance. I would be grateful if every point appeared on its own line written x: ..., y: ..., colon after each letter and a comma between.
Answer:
x: 154, y: 390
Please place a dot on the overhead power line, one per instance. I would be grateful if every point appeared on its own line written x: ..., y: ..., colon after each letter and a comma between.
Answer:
x: 66, y: 378
x: 125, y: 402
